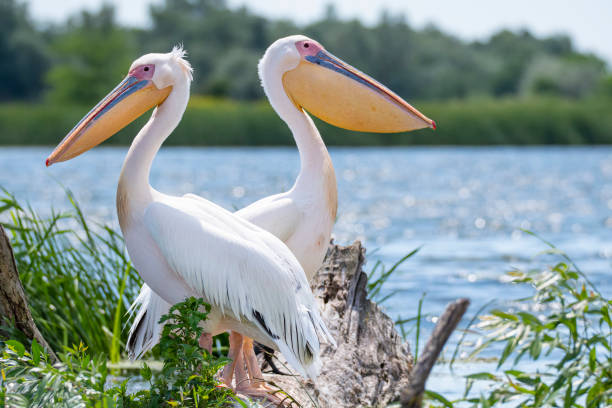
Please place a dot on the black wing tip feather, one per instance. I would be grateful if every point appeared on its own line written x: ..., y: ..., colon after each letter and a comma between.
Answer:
x: 260, y: 319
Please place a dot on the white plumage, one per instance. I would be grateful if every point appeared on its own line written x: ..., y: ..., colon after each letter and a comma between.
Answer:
x: 188, y: 246
x: 244, y: 272
x: 302, y: 217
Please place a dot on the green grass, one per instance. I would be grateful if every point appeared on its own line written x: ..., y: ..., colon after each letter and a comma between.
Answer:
x: 209, y: 122
x: 76, y: 275
x: 379, y: 275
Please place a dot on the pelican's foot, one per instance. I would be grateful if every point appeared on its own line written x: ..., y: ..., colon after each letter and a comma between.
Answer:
x: 264, y: 392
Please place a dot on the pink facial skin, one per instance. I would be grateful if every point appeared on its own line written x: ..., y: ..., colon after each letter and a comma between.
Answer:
x: 143, y: 72
x: 308, y: 47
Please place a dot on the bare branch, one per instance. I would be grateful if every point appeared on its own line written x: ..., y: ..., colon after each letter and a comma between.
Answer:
x: 412, y: 396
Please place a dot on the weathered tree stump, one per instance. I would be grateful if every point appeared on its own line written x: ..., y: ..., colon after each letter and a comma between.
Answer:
x: 371, y: 364
x: 14, y: 309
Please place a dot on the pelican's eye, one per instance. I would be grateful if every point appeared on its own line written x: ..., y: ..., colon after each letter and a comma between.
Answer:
x: 307, y: 47
x: 143, y: 71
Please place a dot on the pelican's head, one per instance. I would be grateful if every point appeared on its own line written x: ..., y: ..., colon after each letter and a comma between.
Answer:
x: 148, y: 83
x: 337, y: 93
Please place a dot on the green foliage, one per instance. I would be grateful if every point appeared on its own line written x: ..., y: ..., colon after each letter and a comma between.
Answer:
x: 186, y: 380
x: 23, y: 53
x: 224, y: 45
x: 91, y: 56
x: 29, y: 379
x: 574, y: 76
x: 187, y: 376
x: 90, y: 53
x: 605, y: 88
x: 565, y: 322
x: 77, y: 276
x: 210, y: 122
x: 512, y: 53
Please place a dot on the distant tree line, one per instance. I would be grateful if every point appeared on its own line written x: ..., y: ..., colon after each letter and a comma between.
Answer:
x: 81, y: 59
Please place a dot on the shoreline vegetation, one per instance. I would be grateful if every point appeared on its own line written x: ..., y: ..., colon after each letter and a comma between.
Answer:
x: 511, y: 88
x: 562, y: 331
x: 212, y: 121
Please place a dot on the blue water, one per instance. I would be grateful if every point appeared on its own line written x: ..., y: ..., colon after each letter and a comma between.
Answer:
x: 464, y: 206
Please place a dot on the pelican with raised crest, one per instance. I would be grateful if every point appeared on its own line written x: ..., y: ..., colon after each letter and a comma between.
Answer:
x: 188, y: 246
x: 299, y: 75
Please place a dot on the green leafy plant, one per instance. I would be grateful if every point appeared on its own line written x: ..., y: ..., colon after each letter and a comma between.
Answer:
x: 567, y: 321
x: 564, y: 326
x: 29, y: 379
x: 186, y: 379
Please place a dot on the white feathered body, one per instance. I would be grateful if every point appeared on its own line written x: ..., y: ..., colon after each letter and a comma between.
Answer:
x: 302, y: 217
x: 253, y: 281
x: 188, y: 246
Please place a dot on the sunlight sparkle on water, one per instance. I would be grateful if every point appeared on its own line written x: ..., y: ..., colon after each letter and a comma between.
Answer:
x: 464, y: 206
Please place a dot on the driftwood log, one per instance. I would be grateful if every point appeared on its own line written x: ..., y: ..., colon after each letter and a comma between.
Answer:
x: 14, y: 310
x: 371, y: 364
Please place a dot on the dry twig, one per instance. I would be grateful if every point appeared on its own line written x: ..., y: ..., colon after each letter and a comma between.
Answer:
x: 412, y: 395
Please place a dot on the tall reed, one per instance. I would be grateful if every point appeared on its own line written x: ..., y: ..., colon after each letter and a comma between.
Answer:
x: 76, y: 274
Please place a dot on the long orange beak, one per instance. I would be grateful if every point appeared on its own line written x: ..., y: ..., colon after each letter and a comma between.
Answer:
x: 129, y: 100
x: 343, y: 96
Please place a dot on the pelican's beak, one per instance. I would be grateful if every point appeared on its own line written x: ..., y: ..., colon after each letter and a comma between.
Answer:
x: 343, y: 96
x: 130, y: 99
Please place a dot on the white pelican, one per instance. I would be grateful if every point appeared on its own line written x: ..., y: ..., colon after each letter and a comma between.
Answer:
x: 296, y: 72
x: 188, y: 246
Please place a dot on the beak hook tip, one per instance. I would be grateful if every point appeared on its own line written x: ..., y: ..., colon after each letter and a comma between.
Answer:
x: 433, y: 125
x: 47, y: 162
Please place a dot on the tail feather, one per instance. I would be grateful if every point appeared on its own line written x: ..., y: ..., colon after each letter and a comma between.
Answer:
x: 145, y: 331
x: 305, y: 360
x: 299, y: 343
x: 307, y: 370
x: 322, y: 329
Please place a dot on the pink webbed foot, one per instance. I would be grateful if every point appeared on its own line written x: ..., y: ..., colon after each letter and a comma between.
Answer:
x: 255, y: 386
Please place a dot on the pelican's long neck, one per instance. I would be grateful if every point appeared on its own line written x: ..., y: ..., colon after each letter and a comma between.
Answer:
x: 134, y: 189
x: 316, y: 169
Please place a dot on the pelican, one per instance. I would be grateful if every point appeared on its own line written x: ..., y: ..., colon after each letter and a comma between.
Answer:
x: 299, y: 75
x: 188, y: 246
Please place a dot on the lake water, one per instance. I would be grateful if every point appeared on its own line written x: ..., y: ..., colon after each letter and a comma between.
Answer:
x: 464, y: 206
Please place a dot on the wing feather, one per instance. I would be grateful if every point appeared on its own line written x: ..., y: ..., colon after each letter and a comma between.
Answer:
x: 242, y: 270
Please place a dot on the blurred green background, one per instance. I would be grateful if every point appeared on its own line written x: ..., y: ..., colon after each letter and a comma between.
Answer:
x: 511, y: 88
